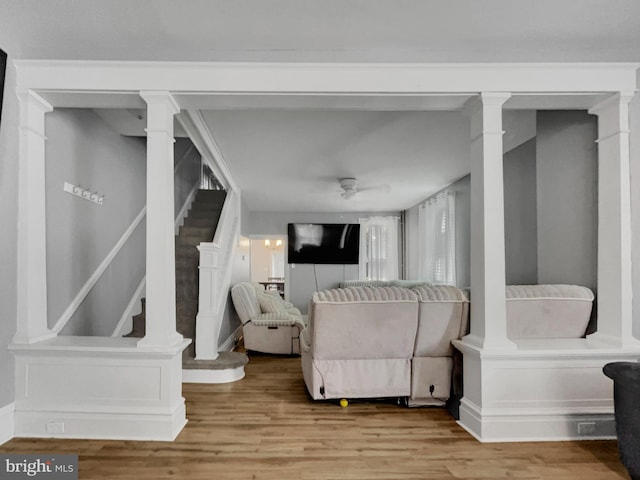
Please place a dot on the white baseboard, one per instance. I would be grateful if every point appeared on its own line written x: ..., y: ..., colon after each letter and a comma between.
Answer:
x: 541, y: 426
x: 104, y: 426
x: 213, y: 376
x: 230, y: 343
x: 7, y: 423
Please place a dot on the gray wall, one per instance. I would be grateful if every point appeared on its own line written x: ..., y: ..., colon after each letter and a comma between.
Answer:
x: 520, y: 215
x: 83, y: 150
x: 567, y: 198
x: 304, y: 279
x: 8, y: 233
x: 241, y: 273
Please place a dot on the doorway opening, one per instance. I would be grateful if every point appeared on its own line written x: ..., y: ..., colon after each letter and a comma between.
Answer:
x: 268, y: 262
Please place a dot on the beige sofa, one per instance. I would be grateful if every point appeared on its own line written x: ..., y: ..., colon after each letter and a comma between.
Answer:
x: 548, y: 311
x: 269, y: 324
x: 371, y: 342
x: 443, y: 317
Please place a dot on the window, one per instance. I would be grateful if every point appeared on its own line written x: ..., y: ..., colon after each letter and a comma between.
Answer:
x: 379, y: 248
x: 437, y: 255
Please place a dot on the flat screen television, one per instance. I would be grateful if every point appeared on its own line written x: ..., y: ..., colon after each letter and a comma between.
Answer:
x: 324, y: 243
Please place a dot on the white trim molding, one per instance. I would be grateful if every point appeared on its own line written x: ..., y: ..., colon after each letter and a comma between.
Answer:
x: 6, y: 423
x: 124, y: 77
x: 230, y: 343
x: 193, y: 122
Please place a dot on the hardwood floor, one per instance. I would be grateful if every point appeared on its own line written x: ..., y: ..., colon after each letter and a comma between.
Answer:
x: 266, y: 427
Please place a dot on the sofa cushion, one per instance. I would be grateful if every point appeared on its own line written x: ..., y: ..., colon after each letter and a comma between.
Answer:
x: 275, y: 293
x: 548, y: 311
x: 365, y: 294
x: 443, y: 317
x: 271, y: 303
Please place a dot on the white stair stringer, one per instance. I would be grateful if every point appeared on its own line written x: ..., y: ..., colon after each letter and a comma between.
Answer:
x: 216, y: 265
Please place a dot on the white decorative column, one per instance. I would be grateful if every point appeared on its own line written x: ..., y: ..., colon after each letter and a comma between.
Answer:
x: 161, y: 282
x: 488, y: 311
x: 545, y: 389
x: 488, y: 308
x: 614, y: 223
x: 32, y: 243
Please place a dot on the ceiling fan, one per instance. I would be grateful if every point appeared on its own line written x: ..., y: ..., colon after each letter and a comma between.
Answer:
x: 349, y: 186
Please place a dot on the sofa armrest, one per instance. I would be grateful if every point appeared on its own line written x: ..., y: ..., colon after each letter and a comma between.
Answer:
x: 305, y: 343
x: 277, y: 319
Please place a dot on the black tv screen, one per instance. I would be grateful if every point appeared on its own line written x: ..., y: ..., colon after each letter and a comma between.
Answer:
x: 336, y: 243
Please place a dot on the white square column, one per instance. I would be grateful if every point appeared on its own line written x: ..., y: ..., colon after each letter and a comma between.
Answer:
x: 488, y: 310
x: 615, y: 325
x: 488, y: 277
x: 161, y: 278
x: 544, y: 389
x: 32, y: 240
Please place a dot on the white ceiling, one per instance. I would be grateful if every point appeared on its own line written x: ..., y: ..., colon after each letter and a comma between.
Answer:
x: 289, y: 157
x: 291, y: 160
x: 328, y: 30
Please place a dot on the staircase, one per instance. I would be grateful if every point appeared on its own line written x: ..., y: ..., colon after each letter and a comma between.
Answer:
x: 199, y: 226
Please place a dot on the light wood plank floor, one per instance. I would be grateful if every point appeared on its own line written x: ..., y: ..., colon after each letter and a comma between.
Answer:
x: 266, y: 427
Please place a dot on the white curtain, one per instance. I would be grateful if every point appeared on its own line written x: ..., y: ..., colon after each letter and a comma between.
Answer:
x: 379, y: 248
x: 437, y: 253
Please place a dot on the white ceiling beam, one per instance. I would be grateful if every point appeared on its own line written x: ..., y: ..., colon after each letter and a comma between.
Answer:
x: 336, y: 78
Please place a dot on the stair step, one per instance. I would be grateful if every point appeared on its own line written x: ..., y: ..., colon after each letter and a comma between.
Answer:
x: 202, y: 230
x: 207, y: 204
x: 209, y: 214
x: 224, y: 361
x: 199, y: 234
x: 198, y: 222
x: 211, y: 193
x: 207, y: 196
x: 139, y: 322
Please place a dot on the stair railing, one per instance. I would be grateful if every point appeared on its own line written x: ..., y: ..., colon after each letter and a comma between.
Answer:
x: 216, y: 265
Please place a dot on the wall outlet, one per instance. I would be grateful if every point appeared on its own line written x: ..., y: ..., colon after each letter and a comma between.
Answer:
x: 586, y: 428
x: 55, y: 427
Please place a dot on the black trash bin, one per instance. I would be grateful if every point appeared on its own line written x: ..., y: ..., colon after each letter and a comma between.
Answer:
x: 626, y: 397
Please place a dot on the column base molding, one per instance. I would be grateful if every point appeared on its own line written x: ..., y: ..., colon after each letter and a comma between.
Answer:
x: 100, y: 425
x: 545, y: 390
x: 98, y: 388
x: 537, y: 425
